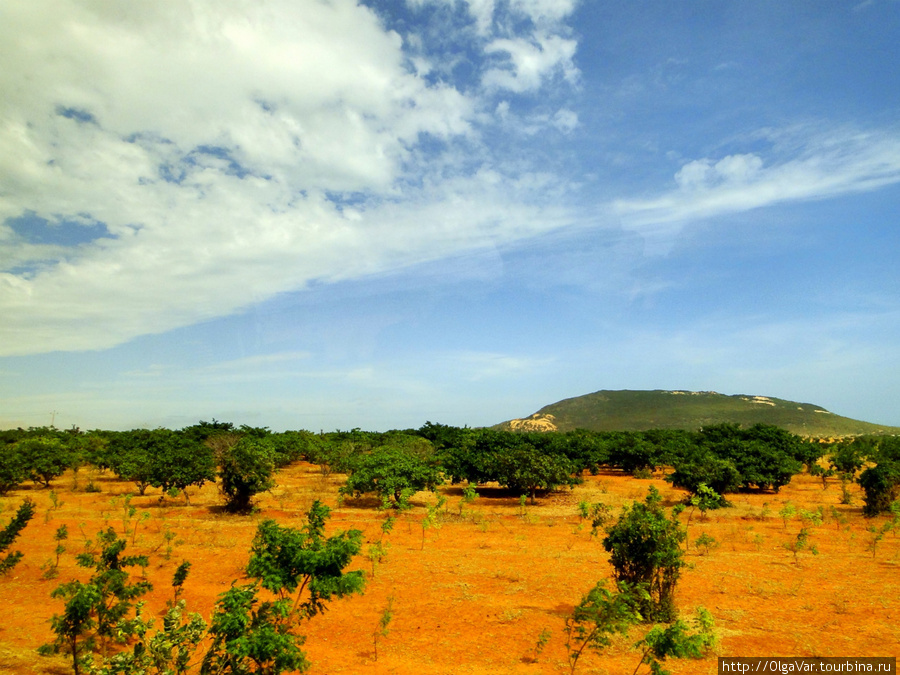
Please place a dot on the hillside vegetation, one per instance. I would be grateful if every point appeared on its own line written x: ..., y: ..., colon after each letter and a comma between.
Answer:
x: 628, y: 410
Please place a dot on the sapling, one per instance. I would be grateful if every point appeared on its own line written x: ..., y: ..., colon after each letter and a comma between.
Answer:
x: 878, y: 534
x: 469, y: 495
x: 787, y: 512
x: 801, y: 543
x: 384, y: 620
x: 706, y: 543
x: 600, y: 614
x: 542, y: 641
x: 432, y: 517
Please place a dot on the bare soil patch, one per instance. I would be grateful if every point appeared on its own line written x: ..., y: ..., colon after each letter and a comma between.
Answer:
x: 475, y: 594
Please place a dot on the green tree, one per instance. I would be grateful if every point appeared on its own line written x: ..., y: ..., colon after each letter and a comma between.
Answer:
x: 98, y: 609
x: 391, y: 469
x: 289, y: 561
x: 177, y: 461
x: 526, y: 470
x: 249, y: 636
x: 13, y: 529
x: 46, y: 458
x: 246, y: 468
x: 881, y: 487
x: 645, y: 551
x: 13, y: 468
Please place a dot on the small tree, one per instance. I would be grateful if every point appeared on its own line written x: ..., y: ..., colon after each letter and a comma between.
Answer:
x: 287, y: 561
x: 246, y: 468
x: 601, y: 614
x: 252, y: 637
x: 645, y: 550
x: 8, y: 535
x: 13, y: 469
x: 99, y: 608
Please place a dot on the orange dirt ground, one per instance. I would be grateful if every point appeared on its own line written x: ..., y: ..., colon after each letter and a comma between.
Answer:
x: 475, y: 594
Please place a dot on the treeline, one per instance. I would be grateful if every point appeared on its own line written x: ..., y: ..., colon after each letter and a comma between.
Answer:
x: 395, y: 464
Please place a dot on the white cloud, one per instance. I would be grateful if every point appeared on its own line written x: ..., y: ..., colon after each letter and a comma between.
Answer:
x: 815, y: 166
x: 233, y: 151
x: 530, y: 62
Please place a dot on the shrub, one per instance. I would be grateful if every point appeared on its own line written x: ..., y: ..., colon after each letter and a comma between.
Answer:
x: 645, y: 550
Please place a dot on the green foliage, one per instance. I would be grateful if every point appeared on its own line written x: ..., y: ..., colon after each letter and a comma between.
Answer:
x: 387, y: 614
x: 178, y: 461
x: 246, y: 468
x: 678, y: 641
x: 252, y: 637
x: 11, y: 531
x: 45, y: 457
x: 287, y: 560
x: 801, y: 543
x: 165, y: 652
x: 881, y: 486
x: 601, y: 614
x: 705, y: 543
x: 100, y: 607
x: 704, y: 468
x: 13, y: 468
x: 389, y: 470
x: 645, y: 550
x: 180, y: 576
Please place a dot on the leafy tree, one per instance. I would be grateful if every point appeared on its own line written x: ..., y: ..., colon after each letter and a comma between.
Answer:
x: 100, y: 607
x: 389, y: 470
x: 287, y: 561
x: 703, y: 468
x: 177, y: 462
x: 246, y: 468
x: 252, y: 637
x: 601, y: 614
x: 8, y: 535
x: 631, y: 452
x: 881, y: 486
x: 45, y: 457
x: 645, y: 550
x: 13, y: 468
x: 526, y: 470
x: 130, y: 456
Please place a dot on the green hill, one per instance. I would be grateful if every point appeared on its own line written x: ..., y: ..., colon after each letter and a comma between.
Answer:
x: 628, y: 410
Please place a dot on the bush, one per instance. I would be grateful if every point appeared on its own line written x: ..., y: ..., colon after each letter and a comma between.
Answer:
x: 645, y: 548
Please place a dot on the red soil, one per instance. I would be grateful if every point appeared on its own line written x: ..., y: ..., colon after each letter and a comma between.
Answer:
x: 474, y: 594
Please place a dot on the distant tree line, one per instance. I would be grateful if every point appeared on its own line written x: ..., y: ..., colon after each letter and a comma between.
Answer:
x: 243, y: 460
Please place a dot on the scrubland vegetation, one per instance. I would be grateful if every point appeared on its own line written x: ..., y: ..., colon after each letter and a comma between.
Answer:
x: 218, y: 549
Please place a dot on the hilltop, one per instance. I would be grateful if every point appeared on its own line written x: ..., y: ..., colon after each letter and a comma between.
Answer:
x: 629, y: 410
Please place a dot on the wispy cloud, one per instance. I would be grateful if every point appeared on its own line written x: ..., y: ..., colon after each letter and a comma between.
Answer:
x: 817, y: 166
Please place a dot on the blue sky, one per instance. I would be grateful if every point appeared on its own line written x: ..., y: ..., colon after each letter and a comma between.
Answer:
x: 328, y: 214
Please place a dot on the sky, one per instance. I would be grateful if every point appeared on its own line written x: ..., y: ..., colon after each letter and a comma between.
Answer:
x: 328, y: 214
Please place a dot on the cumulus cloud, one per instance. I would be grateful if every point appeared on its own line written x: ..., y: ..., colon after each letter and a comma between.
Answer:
x: 231, y: 151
